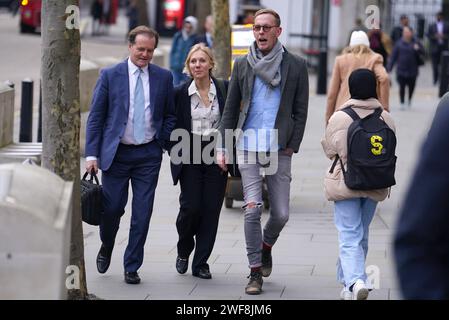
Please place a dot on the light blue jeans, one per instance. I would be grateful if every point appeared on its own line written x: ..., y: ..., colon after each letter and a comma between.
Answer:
x: 352, y: 218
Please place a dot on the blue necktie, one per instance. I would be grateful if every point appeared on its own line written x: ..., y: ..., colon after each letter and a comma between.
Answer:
x: 139, y: 110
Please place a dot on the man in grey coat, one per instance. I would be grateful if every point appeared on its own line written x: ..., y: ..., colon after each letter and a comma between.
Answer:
x: 266, y: 110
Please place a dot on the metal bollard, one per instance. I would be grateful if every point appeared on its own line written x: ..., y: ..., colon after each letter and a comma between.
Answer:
x: 444, y: 73
x: 322, y: 73
x: 26, y: 112
x: 39, y: 123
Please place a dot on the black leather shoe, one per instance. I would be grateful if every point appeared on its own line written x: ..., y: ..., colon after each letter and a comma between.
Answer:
x: 202, y: 273
x: 103, y: 259
x: 132, y: 278
x: 182, y: 265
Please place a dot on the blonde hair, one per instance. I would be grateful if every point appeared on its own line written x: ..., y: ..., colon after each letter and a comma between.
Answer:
x: 276, y: 16
x: 195, y: 48
x: 358, y: 50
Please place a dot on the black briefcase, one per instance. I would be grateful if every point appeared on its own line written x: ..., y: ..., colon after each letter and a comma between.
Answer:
x: 91, y: 199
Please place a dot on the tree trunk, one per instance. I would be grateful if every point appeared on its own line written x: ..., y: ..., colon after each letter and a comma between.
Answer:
x: 61, y: 113
x: 222, y: 38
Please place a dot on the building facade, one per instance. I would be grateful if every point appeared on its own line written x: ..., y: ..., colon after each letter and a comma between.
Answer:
x: 308, y: 23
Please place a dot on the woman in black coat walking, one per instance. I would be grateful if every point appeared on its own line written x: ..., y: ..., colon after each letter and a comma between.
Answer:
x: 407, y: 54
x: 199, y: 106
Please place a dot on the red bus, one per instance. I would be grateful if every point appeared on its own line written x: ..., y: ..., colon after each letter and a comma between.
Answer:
x: 30, y: 15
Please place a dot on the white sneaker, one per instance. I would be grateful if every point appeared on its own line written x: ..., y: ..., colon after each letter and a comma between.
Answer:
x: 359, y: 290
x: 345, y: 294
x: 369, y: 286
x: 402, y: 107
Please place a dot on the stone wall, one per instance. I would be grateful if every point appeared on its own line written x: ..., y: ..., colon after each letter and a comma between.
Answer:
x: 6, y: 115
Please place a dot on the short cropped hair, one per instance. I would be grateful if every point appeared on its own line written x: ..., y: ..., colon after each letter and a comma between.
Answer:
x: 272, y: 12
x: 143, y: 30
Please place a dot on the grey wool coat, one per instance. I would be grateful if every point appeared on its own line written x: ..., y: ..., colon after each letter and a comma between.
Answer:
x: 292, y: 114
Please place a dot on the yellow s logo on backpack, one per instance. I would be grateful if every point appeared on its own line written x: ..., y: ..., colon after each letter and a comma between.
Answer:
x: 376, y: 143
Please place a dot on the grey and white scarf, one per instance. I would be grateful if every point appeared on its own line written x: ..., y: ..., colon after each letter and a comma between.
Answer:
x: 268, y: 67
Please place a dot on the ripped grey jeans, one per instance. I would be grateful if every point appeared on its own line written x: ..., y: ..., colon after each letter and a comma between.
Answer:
x: 277, y: 168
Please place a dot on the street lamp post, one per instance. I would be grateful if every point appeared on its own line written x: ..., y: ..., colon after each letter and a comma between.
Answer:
x: 322, y: 66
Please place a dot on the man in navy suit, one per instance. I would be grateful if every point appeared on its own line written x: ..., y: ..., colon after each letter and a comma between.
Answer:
x: 438, y: 38
x: 131, y: 118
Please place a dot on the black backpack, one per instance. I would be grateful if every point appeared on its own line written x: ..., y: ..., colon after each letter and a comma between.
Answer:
x: 371, y: 152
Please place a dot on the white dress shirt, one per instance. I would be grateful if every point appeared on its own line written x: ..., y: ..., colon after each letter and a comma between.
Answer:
x: 128, y: 137
x: 205, y: 119
x: 440, y: 30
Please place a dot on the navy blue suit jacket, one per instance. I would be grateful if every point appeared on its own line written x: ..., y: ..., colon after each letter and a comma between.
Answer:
x: 203, y: 39
x: 422, y: 237
x: 110, y: 107
x: 432, y: 35
x: 184, y: 115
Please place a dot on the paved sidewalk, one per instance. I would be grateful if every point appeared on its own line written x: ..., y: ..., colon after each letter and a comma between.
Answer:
x: 306, y: 252
x: 305, y: 255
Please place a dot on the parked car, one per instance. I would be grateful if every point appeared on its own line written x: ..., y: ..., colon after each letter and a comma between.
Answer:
x: 30, y: 16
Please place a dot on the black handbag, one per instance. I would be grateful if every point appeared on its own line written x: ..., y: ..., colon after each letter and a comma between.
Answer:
x: 91, y: 199
x: 420, y: 57
x: 233, y: 168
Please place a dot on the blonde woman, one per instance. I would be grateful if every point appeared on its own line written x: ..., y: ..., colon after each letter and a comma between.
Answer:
x: 357, y: 55
x: 199, y: 105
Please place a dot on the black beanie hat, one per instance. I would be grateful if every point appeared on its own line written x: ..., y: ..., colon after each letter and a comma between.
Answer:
x: 362, y: 84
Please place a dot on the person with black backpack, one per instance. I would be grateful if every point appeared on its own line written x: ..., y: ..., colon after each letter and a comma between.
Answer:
x: 360, y: 140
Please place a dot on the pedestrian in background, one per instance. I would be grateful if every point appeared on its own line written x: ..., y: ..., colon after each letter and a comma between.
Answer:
x: 106, y: 17
x: 207, y: 37
x: 96, y: 11
x: 268, y: 100
x: 421, y: 242
x: 396, y: 33
x: 130, y: 121
x: 183, y: 40
x: 439, y: 40
x: 354, y: 209
x: 380, y: 43
x: 199, y: 105
x: 132, y: 13
x: 357, y: 55
x: 407, y: 55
